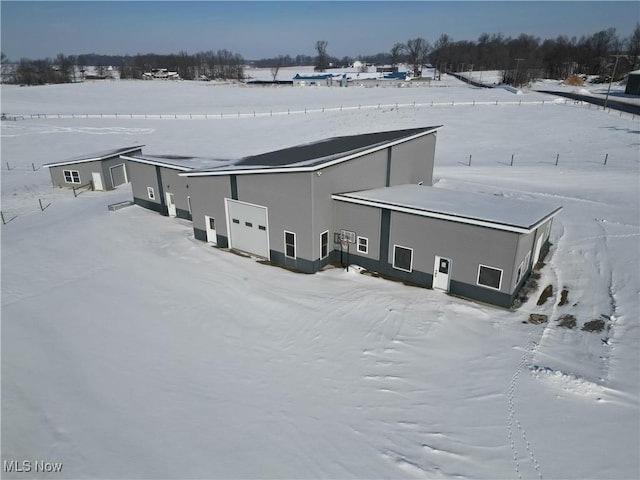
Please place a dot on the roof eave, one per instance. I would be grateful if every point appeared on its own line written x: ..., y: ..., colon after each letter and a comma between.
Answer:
x: 156, y: 163
x: 93, y: 159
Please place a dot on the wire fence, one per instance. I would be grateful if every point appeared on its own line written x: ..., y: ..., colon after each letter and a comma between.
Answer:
x: 298, y: 111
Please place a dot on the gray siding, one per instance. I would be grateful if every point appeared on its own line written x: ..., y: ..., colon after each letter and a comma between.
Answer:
x: 467, y: 246
x: 207, y: 199
x: 288, y: 199
x: 141, y: 176
x: 84, y: 169
x: 179, y: 186
x: 412, y: 162
x: 357, y: 174
x: 365, y: 221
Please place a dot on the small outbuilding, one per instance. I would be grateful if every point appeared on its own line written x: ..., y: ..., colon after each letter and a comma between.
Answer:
x: 633, y: 83
x: 103, y: 170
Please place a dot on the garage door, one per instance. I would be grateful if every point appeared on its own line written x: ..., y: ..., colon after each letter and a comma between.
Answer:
x: 118, y: 175
x: 248, y: 227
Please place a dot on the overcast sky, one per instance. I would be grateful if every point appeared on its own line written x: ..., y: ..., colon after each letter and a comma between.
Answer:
x: 267, y: 29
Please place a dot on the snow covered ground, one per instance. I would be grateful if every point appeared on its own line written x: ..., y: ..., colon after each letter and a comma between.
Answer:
x: 131, y: 350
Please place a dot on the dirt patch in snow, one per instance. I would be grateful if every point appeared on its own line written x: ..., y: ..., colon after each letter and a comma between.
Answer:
x: 567, y: 321
x: 544, y: 296
x: 594, y: 325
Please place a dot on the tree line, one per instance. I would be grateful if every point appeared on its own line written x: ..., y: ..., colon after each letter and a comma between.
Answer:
x: 522, y: 59
x: 222, y: 64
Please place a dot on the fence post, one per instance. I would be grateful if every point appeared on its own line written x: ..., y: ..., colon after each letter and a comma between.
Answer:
x: 606, y: 157
x: 2, y: 215
x: 40, y: 202
x: 469, y: 160
x: 8, y: 167
x: 557, y: 158
x: 512, y: 159
x: 33, y: 166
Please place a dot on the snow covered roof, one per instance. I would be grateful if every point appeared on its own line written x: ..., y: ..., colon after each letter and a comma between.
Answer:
x: 95, y: 156
x: 316, y: 155
x: 520, y: 216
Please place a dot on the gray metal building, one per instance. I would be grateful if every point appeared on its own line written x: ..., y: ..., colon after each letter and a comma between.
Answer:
x: 362, y: 199
x: 103, y: 170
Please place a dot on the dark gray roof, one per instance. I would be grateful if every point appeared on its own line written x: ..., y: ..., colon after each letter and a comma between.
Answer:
x: 95, y: 156
x: 312, y: 155
x: 326, y: 148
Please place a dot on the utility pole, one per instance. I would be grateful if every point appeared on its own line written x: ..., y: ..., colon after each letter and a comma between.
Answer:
x: 611, y: 79
x: 515, y: 80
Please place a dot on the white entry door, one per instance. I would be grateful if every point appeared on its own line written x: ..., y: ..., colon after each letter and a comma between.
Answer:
x: 97, y: 181
x: 171, y: 204
x: 211, y: 230
x: 248, y: 227
x: 441, y: 273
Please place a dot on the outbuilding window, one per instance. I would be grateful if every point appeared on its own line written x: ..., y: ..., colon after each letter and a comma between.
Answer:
x: 71, y: 176
x: 324, y: 244
x: 363, y: 245
x: 489, y: 277
x: 289, y: 244
x: 402, y: 258
x: 150, y: 193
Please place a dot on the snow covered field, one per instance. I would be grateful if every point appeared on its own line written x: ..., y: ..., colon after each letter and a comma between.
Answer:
x: 131, y: 350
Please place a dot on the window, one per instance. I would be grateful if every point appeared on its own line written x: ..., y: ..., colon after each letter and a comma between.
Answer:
x: 289, y: 244
x: 71, y: 176
x: 189, y: 203
x: 248, y: 224
x: 324, y: 245
x: 402, y: 258
x: 363, y: 245
x: 235, y: 220
x: 489, y: 277
x: 212, y: 223
x: 150, y: 193
x: 262, y: 227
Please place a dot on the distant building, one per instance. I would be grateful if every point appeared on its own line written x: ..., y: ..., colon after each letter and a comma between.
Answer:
x: 326, y: 80
x: 633, y: 83
x: 160, y: 74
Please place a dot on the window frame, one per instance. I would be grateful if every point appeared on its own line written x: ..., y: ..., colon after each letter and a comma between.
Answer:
x: 291, y: 244
x: 480, y: 266
x: 151, y: 193
x: 366, y: 245
x: 324, y: 244
x: 70, y: 178
x: 395, y: 246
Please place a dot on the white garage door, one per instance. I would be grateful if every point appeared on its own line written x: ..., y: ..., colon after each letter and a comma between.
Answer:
x: 118, y: 175
x: 248, y: 227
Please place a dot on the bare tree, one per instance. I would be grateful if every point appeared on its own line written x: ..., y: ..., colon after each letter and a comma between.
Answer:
x: 279, y: 62
x: 633, y: 47
x: 322, y: 61
x: 417, y: 51
x: 396, y: 54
